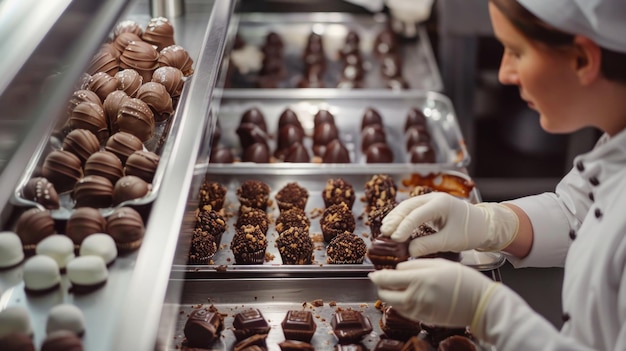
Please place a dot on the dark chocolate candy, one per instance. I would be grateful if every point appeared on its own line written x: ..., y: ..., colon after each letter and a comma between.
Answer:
x: 257, y: 153
x: 288, y: 117
x: 254, y: 116
x: 251, y: 133
x: 93, y: 191
x: 415, y: 116
x: 105, y: 164
x: 32, y: 226
x: 62, y: 340
x: 323, y: 116
x: 221, y: 154
x: 288, y: 135
x: 389, y: 345
x: 386, y: 253
x: 350, y: 326
x: 385, y: 42
x: 294, y: 345
x: 398, y: 327
x: 299, y: 325
x: 336, y: 152
x: 421, y: 153
x: 203, y: 327
x: 18, y: 342
x: 63, y: 169
x: 416, y: 134
x: 371, y: 117
x: 457, y: 343
x: 248, y: 323
x: 416, y: 344
x: 83, y: 222
x: 297, y: 153
x: 129, y: 188
x: 372, y: 134
x: 324, y: 133
x: 379, y: 153
x: 349, y: 347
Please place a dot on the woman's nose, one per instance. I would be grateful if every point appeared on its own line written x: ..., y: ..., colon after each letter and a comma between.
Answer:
x: 507, y: 73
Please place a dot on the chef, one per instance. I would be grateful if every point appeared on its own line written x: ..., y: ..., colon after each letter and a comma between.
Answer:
x: 568, y: 59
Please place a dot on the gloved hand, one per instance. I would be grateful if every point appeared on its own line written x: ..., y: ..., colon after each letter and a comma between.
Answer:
x: 461, y: 225
x: 436, y: 291
x: 407, y: 14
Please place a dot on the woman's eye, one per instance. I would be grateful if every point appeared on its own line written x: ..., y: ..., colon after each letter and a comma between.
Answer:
x: 512, y: 53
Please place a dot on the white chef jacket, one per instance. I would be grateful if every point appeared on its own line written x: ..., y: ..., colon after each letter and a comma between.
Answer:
x: 583, y: 227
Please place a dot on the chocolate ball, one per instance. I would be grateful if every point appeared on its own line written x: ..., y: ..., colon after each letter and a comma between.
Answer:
x: 155, y: 95
x: 251, y: 133
x: 136, y: 117
x: 371, y: 116
x: 90, y: 116
x: 122, y: 40
x: 32, y: 226
x: 379, y: 153
x: 159, y: 32
x: 142, y: 164
x: 126, y: 227
x: 81, y: 96
x: 41, y: 191
x: 422, y: 154
x: 171, y: 78
x: 129, y: 81
x: 336, y: 152
x: 372, y: 134
x: 323, y: 116
x: 102, y: 84
x: 257, y: 153
x: 111, y: 106
x: 414, y: 117
x: 176, y: 56
x: 323, y: 134
x: 129, y: 188
x: 104, y: 164
x: 221, y: 154
x: 415, y: 135
x: 82, y: 143
x: 83, y: 222
x: 140, y: 56
x: 297, y: 153
x: 103, y: 61
x: 127, y: 26
x: 63, y: 169
x: 123, y: 144
x: 93, y: 191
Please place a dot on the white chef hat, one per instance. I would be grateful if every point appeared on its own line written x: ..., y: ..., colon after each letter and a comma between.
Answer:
x: 603, y: 21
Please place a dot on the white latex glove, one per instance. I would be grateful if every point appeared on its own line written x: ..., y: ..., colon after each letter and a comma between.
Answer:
x: 407, y: 14
x: 461, y: 225
x: 436, y: 291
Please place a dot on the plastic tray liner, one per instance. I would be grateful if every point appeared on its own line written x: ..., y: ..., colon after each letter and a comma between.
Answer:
x: 348, y: 108
x: 223, y: 261
x: 419, y: 67
x: 273, y: 298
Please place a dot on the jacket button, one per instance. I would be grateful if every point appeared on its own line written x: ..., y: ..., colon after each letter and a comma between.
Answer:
x: 591, y: 197
x: 572, y: 234
x: 579, y: 166
x: 598, y: 213
x: 594, y: 181
x: 565, y: 317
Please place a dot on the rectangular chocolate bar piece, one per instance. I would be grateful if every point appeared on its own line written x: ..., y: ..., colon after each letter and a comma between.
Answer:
x: 299, y: 325
x: 350, y: 326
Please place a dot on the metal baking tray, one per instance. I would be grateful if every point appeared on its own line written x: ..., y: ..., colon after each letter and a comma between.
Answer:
x: 223, y: 260
x: 273, y: 298
x: 160, y: 143
x: 419, y: 65
x: 348, y: 108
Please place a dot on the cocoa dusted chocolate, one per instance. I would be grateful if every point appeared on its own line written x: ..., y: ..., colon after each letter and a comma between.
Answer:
x: 350, y: 326
x: 398, y: 327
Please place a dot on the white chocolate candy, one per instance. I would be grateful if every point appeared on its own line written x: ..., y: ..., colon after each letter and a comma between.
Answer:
x: 11, y: 252
x: 41, y: 273
x: 99, y: 244
x: 87, y: 271
x: 58, y: 247
x: 14, y: 319
x: 65, y: 317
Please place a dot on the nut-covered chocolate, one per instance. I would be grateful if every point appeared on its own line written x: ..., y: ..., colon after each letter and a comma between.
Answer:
x: 142, y: 164
x: 82, y: 143
x: 337, y: 219
x: 90, y: 116
x: 176, y: 56
x: 63, y: 169
x: 104, y: 164
x: 338, y: 190
x: 136, y: 117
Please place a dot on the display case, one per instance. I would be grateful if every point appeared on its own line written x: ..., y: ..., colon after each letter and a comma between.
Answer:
x: 148, y: 293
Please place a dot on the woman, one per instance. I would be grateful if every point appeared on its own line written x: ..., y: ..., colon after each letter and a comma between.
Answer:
x: 568, y: 58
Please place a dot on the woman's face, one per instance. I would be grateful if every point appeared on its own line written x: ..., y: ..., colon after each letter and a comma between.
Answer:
x: 545, y: 76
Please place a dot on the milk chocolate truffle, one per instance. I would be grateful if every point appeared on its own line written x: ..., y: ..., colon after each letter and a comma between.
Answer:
x: 123, y: 144
x: 257, y: 153
x: 122, y: 40
x: 41, y: 191
x: 295, y: 247
x: 292, y: 195
x: 33, y: 226
x: 104, y: 164
x: 63, y: 169
x: 99, y: 244
x: 421, y: 153
x: 371, y: 117
x: 335, y: 220
x: 129, y: 81
x: 11, y: 252
x: 380, y: 189
x: 111, y: 106
x: 221, y: 154
x: 289, y: 117
x: 414, y: 117
x: 158, y: 99
x: 159, y: 32
x: 292, y: 218
x: 372, y: 134
x: 248, y: 323
x: 297, y: 152
x: 102, y: 84
x: 142, y: 57
x: 82, y: 143
x: 176, y: 56
x: 16, y: 342
x: 203, y: 327
x: 103, y: 61
x: 90, y: 116
x: 127, y: 26
x: 83, y: 222
x: 254, y: 116
x: 65, y: 317
x: 350, y: 326
x: 93, y: 191
x: 82, y: 96
x: 379, y: 153
x: 338, y: 190
x: 136, y: 117
x: 142, y: 164
x: 211, y: 194
x: 171, y: 78
x: 126, y: 227
x: 336, y: 152
x: 253, y: 193
x: 251, y: 133
x: 416, y: 135
x: 15, y: 319
x: 129, y: 188
x: 87, y: 274
x: 41, y: 275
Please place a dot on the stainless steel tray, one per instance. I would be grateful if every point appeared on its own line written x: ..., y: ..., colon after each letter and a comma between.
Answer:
x: 348, y: 108
x: 419, y: 65
x: 273, y: 298
x: 160, y: 143
x: 224, y: 263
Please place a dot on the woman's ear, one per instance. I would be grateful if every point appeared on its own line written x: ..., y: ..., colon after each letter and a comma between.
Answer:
x: 588, y: 59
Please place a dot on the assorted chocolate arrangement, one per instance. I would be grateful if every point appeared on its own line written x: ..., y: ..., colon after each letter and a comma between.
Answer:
x: 206, y: 327
x: 324, y: 144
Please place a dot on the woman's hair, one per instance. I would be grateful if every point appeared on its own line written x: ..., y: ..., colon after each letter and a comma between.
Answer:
x: 612, y: 65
